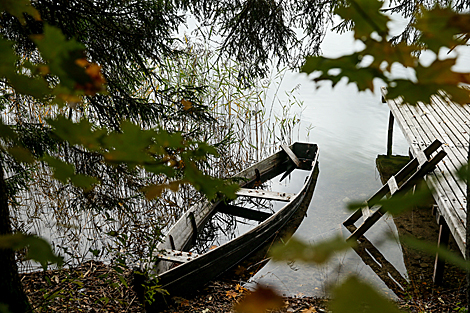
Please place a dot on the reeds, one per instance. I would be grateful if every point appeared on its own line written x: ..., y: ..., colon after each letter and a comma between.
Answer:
x: 114, y: 221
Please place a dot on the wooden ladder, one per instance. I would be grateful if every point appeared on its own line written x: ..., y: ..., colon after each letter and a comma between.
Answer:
x: 421, y: 164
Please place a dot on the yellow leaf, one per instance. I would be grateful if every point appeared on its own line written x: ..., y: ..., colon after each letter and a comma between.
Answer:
x: 231, y: 294
x: 186, y: 104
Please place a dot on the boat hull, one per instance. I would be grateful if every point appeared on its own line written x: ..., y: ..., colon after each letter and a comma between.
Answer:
x: 193, y: 274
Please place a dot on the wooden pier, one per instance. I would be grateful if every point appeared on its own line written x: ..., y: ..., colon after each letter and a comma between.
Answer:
x: 450, y: 124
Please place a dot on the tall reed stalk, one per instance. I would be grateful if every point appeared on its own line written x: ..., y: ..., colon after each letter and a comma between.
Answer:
x: 115, y: 222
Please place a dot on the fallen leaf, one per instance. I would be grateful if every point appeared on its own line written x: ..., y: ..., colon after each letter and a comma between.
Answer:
x: 259, y: 301
x: 231, y: 294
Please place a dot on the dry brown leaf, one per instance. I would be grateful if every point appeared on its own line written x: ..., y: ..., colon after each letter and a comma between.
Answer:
x: 231, y: 294
x: 259, y: 301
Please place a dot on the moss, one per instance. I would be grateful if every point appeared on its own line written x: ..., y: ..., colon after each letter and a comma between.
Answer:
x: 390, y: 165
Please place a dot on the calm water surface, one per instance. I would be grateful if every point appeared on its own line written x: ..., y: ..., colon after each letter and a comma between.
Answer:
x: 351, y: 130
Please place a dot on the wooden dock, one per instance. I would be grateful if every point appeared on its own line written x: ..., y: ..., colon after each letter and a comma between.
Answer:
x: 450, y: 124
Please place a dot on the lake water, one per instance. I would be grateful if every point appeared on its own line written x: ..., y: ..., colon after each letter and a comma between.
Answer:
x: 351, y: 130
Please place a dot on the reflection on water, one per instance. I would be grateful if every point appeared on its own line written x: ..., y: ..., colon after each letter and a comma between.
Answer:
x: 351, y: 130
x: 224, y: 227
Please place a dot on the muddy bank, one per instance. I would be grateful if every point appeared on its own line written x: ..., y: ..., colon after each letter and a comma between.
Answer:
x: 96, y: 287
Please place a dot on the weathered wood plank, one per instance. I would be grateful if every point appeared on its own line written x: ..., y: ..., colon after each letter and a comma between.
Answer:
x: 382, y: 192
x: 366, y: 212
x: 291, y: 155
x: 264, y: 194
x: 450, y: 123
x: 176, y: 256
x: 423, y: 170
x: 392, y: 183
x: 425, y: 133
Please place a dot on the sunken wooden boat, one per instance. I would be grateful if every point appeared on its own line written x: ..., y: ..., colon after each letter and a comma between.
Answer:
x: 195, y: 270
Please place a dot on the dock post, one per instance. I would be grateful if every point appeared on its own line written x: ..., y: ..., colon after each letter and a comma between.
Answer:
x: 442, y: 241
x: 391, y: 119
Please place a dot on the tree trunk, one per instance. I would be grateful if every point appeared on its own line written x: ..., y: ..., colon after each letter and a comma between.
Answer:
x: 11, y: 290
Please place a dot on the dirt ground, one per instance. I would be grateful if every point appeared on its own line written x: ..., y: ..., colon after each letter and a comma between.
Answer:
x: 95, y: 287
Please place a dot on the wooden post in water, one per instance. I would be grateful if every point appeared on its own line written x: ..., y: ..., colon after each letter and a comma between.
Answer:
x: 442, y: 241
x: 391, y: 119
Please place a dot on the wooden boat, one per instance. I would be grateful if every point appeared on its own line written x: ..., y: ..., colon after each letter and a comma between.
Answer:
x: 195, y: 270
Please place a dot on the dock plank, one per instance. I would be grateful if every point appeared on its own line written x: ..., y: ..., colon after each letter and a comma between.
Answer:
x: 449, y: 123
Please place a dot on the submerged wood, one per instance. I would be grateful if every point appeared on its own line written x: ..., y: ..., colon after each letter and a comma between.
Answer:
x: 238, y: 211
x: 195, y: 273
x: 419, y: 166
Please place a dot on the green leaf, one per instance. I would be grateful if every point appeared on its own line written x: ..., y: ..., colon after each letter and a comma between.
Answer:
x: 440, y: 72
x: 406, y: 89
x: 347, y: 66
x: 319, y: 253
x: 462, y: 173
x: 130, y: 146
x: 81, y: 133
x: 27, y: 85
x: 63, y: 57
x: 62, y: 171
x: 21, y: 154
x: 384, y: 51
x: 7, y: 132
x: 366, y: 16
x: 437, y: 28
x: 18, y: 7
x: 38, y: 249
x: 84, y: 181
x: 355, y: 296
x: 208, y: 185
x: 400, y: 203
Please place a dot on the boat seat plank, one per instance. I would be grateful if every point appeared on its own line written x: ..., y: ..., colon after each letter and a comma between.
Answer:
x: 421, y: 157
x: 176, y: 255
x: 291, y: 155
x: 264, y: 194
x: 243, y: 212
